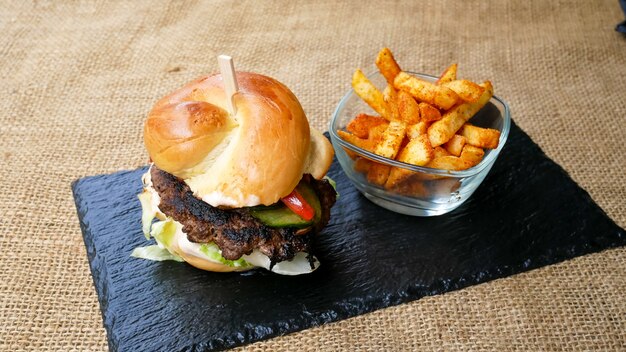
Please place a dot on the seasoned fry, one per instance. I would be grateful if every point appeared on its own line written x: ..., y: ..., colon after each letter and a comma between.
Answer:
x: 449, y: 163
x: 361, y: 125
x: 439, y: 152
x: 390, y: 95
x: 467, y: 90
x: 359, y: 142
x: 362, y: 165
x: 417, y: 152
x: 376, y: 133
x: 429, y: 113
x: 369, y: 144
x: 366, y: 144
x: 480, y: 137
x: 397, y: 175
x: 448, y: 75
x: 472, y: 154
x: 387, y: 65
x: 415, y: 130
x: 427, y: 92
x: 389, y: 146
x: 378, y: 173
x: 408, y: 108
x: 441, y: 131
x: 439, y: 96
x: 370, y: 94
x: 455, y: 145
x: 411, y: 187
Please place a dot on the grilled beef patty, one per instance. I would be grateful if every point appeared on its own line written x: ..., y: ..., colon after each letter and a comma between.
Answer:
x: 235, y: 231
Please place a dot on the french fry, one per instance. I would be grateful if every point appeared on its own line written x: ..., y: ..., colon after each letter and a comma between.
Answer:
x: 452, y: 163
x: 480, y: 137
x: 412, y: 187
x: 408, y: 108
x: 439, y: 96
x: 467, y: 90
x: 389, y: 146
x: 362, y: 164
x: 441, y: 131
x: 378, y: 173
x: 387, y: 65
x: 362, y: 143
x: 369, y: 144
x: 417, y: 152
x: 390, y: 95
x: 416, y: 130
x: 361, y: 125
x: 455, y: 145
x: 448, y: 75
x: 396, y: 175
x: 377, y: 134
x: 370, y: 94
x: 429, y: 113
x: 375, y: 137
x: 439, y: 152
x: 472, y: 154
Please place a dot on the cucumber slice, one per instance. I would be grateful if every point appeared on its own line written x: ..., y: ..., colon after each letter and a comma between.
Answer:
x: 281, y: 216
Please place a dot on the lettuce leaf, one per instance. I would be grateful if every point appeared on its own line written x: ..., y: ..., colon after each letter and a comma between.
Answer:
x: 164, y: 232
x: 212, y: 251
x: 155, y: 252
x: 147, y: 213
x: 332, y: 183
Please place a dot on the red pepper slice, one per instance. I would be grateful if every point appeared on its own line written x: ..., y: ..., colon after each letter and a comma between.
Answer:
x: 296, y: 203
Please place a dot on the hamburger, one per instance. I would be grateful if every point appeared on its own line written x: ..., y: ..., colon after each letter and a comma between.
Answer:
x: 235, y: 192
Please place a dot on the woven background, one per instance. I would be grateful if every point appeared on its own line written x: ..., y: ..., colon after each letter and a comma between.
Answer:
x: 77, y: 79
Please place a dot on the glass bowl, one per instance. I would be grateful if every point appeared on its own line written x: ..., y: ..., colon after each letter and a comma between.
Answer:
x: 428, y: 192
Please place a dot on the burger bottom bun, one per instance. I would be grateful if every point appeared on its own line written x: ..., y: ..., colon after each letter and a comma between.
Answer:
x: 204, y: 264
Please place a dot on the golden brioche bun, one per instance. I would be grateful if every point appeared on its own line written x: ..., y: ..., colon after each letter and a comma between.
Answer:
x: 204, y: 264
x: 255, y: 157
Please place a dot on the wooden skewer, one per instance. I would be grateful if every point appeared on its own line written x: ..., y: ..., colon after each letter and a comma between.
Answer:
x: 227, y: 69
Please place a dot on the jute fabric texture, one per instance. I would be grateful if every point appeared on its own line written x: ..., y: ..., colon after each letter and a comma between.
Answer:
x: 77, y: 78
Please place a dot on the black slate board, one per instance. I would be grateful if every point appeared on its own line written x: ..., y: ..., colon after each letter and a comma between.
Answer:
x: 527, y: 213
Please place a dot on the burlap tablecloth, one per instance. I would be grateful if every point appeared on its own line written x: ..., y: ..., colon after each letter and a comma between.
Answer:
x: 77, y: 79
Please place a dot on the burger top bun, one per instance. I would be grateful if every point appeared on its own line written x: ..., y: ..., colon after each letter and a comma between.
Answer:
x: 255, y: 157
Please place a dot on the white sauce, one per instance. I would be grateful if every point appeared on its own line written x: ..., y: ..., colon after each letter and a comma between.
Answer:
x: 154, y: 195
x: 219, y: 199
